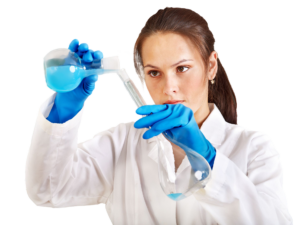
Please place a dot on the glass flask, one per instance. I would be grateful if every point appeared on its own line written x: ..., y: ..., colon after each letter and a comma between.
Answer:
x: 64, y: 70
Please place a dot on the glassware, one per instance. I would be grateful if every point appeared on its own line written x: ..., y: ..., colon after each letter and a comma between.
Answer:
x: 64, y: 70
x: 198, y: 178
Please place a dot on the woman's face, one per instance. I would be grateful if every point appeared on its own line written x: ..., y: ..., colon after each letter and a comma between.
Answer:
x: 174, y: 70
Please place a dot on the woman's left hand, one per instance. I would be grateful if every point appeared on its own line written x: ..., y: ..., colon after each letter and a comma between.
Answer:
x: 178, y: 124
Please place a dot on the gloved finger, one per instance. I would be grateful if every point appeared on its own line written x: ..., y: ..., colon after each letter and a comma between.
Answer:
x: 97, y: 55
x: 167, y: 124
x: 147, y: 121
x: 83, y: 48
x: 89, y: 84
x: 151, y: 133
x: 87, y: 57
x: 91, y: 51
x: 148, y: 109
x: 91, y: 79
x: 74, y: 45
x: 95, y: 78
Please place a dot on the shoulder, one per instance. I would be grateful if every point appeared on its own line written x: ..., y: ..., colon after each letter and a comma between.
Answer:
x: 255, y: 143
x: 238, y: 132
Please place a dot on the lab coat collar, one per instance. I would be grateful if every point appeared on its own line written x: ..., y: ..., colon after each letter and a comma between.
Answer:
x: 213, y: 128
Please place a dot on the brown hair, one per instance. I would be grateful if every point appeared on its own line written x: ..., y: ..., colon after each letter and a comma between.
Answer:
x: 190, y: 24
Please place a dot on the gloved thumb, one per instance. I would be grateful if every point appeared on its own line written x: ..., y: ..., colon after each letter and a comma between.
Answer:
x: 89, y: 83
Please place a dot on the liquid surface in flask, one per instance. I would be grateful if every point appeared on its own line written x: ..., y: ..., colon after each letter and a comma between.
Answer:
x: 176, y: 196
x: 63, y: 78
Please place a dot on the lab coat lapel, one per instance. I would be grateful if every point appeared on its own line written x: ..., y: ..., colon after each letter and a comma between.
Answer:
x: 214, y: 127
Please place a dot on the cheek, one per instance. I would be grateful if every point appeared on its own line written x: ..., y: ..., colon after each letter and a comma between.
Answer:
x: 195, y: 84
x: 195, y: 92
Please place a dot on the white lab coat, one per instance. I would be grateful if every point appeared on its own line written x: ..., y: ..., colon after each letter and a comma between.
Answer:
x: 118, y: 167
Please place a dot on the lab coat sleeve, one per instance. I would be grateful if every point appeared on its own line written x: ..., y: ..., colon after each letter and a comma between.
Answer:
x: 257, y: 197
x: 62, y: 173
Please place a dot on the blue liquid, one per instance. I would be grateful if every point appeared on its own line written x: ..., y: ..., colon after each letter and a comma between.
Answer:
x: 176, y: 196
x: 64, y: 78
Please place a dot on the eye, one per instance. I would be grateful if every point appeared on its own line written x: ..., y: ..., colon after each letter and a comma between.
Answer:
x: 182, y: 67
x: 151, y: 71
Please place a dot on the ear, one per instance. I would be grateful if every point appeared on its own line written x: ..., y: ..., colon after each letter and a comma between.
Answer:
x: 213, y: 65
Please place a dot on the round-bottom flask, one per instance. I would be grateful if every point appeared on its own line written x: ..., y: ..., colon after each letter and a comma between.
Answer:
x: 64, y: 70
x: 194, y: 174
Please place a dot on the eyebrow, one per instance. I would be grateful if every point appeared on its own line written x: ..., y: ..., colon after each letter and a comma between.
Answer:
x: 184, y: 60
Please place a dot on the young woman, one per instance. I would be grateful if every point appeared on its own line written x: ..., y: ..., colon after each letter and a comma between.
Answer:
x: 174, y: 55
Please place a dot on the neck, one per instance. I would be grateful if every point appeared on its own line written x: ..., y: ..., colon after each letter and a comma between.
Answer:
x: 201, y: 115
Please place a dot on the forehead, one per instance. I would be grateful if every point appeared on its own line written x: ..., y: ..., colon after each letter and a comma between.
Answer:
x: 168, y: 48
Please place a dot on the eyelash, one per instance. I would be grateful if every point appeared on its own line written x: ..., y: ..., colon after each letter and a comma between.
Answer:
x: 149, y: 73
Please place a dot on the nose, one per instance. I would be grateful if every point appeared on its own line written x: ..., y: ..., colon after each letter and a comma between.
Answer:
x: 170, y: 85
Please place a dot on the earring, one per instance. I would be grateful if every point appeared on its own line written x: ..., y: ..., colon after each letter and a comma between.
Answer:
x: 212, y: 81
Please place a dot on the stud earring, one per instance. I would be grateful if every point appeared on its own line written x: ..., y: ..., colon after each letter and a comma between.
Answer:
x: 212, y: 81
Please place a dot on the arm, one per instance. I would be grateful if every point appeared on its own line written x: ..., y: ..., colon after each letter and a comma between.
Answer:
x: 62, y: 173
x: 232, y: 197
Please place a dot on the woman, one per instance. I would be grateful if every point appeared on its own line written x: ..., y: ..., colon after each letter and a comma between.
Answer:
x: 243, y: 185
x: 174, y: 54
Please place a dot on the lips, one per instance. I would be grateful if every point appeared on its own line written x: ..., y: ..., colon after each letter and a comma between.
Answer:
x: 173, y: 101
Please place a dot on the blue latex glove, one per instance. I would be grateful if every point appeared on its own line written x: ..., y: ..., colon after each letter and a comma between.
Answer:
x: 179, y: 123
x: 67, y: 105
